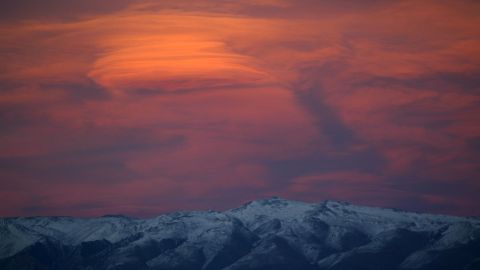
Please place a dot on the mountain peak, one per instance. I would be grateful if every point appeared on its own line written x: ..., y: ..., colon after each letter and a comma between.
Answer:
x: 274, y: 200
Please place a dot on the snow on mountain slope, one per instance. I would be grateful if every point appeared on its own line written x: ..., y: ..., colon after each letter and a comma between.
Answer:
x: 341, y: 228
x: 263, y: 234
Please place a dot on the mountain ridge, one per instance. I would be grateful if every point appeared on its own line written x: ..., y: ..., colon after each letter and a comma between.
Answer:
x: 272, y: 198
x: 271, y: 233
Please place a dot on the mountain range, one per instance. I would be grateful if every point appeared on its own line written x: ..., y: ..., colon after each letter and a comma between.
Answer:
x: 264, y: 234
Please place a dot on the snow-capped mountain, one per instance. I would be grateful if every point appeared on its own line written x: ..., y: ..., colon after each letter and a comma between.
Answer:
x: 264, y: 234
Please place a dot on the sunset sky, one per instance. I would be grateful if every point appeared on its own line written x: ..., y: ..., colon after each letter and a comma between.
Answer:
x: 146, y: 107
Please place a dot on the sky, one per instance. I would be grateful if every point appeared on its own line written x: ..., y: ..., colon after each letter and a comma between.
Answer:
x: 142, y: 107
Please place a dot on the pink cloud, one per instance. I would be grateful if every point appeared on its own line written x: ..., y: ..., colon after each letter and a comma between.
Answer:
x: 199, y: 99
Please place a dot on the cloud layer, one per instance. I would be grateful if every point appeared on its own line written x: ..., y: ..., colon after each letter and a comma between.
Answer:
x: 141, y: 108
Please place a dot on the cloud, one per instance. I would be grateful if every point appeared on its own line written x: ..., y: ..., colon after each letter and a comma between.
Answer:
x: 56, y: 10
x: 189, y: 101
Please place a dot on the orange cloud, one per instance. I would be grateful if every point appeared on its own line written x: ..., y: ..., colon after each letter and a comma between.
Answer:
x: 202, y: 97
